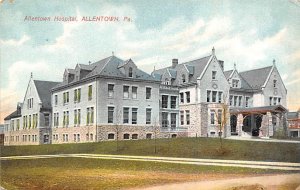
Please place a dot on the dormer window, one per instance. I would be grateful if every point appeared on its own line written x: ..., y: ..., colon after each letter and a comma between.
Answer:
x: 183, y: 78
x: 130, y: 72
x: 235, y: 83
x: 214, y: 73
x: 167, y: 82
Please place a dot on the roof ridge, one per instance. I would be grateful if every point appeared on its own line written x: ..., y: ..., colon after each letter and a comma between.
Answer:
x: 255, y: 69
x: 46, y: 81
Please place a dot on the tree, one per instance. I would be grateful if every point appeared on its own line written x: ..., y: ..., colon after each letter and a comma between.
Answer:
x: 221, y: 116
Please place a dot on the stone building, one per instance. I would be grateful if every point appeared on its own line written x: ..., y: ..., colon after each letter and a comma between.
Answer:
x: 30, y: 124
x: 106, y: 100
x: 113, y: 99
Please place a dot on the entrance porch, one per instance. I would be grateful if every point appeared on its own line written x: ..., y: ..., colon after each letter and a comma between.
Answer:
x: 258, y: 121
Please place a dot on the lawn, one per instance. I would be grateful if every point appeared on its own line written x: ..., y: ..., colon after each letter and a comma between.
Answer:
x: 83, y: 173
x: 179, y: 147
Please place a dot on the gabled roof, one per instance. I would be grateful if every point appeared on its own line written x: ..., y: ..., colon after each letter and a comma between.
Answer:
x: 14, y: 114
x: 228, y: 73
x: 195, y: 66
x: 109, y: 67
x: 43, y: 89
x: 173, y: 73
x: 86, y: 67
x: 256, y: 78
x: 71, y: 71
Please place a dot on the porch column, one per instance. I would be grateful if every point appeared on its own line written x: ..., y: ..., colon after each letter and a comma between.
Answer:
x: 239, y: 124
x: 266, y: 125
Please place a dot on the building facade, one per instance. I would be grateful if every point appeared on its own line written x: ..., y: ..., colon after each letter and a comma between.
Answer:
x: 112, y: 99
x: 30, y: 124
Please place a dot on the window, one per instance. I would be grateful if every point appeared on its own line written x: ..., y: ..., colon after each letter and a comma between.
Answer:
x: 130, y: 72
x: 148, y: 93
x: 230, y: 100
x: 173, y: 120
x: 55, y: 100
x: 173, y: 136
x: 270, y: 101
x: 148, y: 115
x: 173, y: 102
x: 87, y: 137
x: 77, y: 95
x: 240, y: 101
x: 187, y: 94
x: 56, y: 119
x: 125, y: 91
x: 110, y: 118
x: 75, y: 137
x: 18, y: 124
x: 214, y: 96
x: 274, y: 101
x: 66, y: 118
x: 212, y: 118
x: 274, y: 83
x: 235, y: 83
x: 125, y: 115
x: 111, y: 136
x: 29, y: 121
x: 214, y: 73
x: 126, y: 136
x: 208, y: 96
x: 164, y: 119
x: 75, y: 117
x: 30, y: 103
x: 90, y: 115
x: 91, y: 137
x: 148, y: 136
x: 134, y: 92
x: 220, y: 97
x: 187, y: 117
x: 165, y: 101
x: 134, y: 115
x: 219, y: 116
x: 78, y: 137
x: 90, y: 92
x: 235, y: 100
x: 279, y: 100
x: 181, y: 117
x: 183, y: 78
x: 47, y: 119
x: 134, y: 136
x: 181, y: 97
x: 247, y: 102
x: 167, y: 81
x: 66, y: 97
x: 110, y: 90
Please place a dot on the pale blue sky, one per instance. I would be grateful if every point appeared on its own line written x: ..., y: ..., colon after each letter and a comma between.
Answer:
x: 250, y: 33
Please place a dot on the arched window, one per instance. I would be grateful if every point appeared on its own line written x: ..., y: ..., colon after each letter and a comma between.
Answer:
x: 183, y: 78
x: 174, y: 135
x: 167, y: 81
x: 130, y: 72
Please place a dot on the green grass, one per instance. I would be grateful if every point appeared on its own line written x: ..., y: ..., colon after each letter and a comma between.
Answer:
x: 179, y: 147
x: 83, y: 173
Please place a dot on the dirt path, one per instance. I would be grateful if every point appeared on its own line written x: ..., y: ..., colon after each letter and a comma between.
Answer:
x: 191, y: 161
x: 286, y: 181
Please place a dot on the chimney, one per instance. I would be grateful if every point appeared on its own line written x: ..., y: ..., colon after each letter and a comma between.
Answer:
x: 19, y: 108
x: 221, y: 64
x: 174, y: 63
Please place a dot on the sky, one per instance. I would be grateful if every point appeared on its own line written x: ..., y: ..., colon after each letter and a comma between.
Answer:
x: 248, y: 33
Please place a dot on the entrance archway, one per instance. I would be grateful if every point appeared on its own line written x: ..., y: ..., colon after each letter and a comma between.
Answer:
x: 247, y: 124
